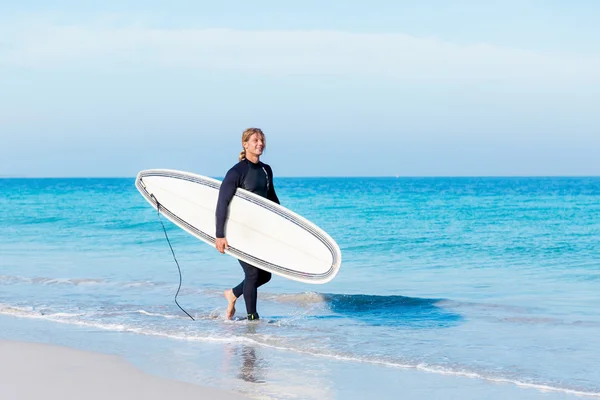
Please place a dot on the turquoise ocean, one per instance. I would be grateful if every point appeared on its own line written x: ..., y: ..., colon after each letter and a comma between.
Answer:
x: 449, y: 287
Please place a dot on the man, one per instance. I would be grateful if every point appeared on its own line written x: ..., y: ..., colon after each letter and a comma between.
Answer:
x: 257, y: 177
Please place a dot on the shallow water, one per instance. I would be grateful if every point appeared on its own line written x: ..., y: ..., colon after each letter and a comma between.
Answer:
x: 496, y: 279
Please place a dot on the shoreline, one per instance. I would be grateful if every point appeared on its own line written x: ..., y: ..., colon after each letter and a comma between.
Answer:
x: 31, y: 370
x: 77, y: 361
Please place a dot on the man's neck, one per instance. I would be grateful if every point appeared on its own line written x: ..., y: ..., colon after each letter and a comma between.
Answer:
x: 253, y: 158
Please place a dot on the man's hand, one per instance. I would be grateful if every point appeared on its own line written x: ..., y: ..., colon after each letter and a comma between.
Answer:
x: 221, y: 244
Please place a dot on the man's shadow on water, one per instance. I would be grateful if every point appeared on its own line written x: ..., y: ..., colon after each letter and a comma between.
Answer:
x: 396, y: 311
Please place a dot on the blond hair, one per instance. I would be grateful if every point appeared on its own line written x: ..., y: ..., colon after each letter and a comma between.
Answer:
x: 246, y: 135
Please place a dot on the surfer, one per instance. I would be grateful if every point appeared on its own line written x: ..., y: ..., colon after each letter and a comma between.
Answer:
x: 257, y: 177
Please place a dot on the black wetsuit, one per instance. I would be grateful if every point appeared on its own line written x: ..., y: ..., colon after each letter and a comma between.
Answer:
x: 256, y: 178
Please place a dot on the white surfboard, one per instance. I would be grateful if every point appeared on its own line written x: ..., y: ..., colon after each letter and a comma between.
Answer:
x: 259, y: 231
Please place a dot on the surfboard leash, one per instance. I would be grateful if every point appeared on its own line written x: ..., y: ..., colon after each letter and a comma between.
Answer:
x: 172, y: 252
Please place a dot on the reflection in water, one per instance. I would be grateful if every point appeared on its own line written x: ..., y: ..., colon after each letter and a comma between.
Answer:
x: 250, y: 370
x: 251, y: 367
x: 262, y: 372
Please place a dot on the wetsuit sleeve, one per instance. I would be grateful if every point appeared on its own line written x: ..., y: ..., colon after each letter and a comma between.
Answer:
x: 226, y: 193
x: 271, y: 195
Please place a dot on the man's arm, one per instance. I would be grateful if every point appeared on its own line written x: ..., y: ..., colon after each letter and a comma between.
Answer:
x: 271, y: 195
x: 226, y: 193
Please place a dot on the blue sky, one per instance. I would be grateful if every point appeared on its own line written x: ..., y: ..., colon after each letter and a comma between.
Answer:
x: 427, y: 88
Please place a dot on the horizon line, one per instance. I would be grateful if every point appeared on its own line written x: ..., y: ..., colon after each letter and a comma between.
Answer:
x: 321, y: 176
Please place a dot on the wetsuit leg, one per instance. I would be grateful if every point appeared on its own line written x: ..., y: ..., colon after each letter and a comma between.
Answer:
x: 263, y: 277
x: 254, y: 277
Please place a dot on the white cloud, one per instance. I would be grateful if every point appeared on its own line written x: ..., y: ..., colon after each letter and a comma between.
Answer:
x: 396, y: 56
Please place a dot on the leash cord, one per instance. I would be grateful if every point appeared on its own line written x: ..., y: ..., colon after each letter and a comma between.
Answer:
x: 174, y: 258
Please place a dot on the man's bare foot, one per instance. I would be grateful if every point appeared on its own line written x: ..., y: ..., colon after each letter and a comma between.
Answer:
x: 231, y: 299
